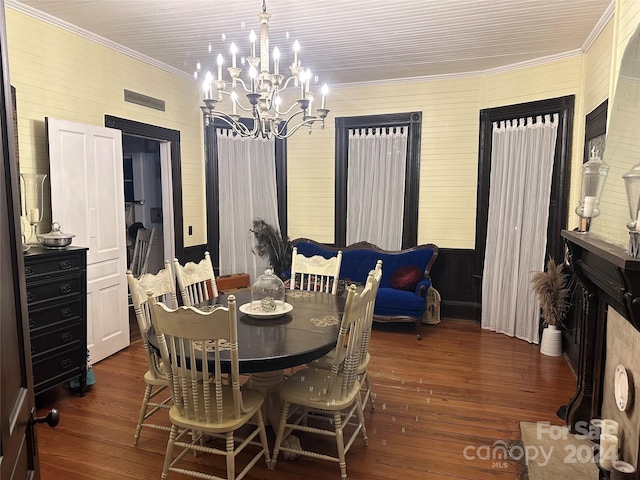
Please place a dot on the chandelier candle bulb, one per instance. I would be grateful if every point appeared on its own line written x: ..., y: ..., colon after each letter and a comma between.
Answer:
x: 220, y: 61
x: 234, y: 50
x: 296, y: 48
x: 325, y: 90
x: 276, y: 61
x: 252, y: 39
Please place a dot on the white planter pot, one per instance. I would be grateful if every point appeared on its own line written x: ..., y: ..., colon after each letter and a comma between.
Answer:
x: 551, y: 343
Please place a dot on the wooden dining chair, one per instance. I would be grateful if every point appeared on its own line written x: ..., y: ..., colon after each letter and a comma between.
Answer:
x: 162, y: 286
x: 141, y: 250
x: 325, y: 362
x: 375, y: 276
x: 210, y: 408
x: 315, y: 273
x: 335, y: 391
x: 196, y: 281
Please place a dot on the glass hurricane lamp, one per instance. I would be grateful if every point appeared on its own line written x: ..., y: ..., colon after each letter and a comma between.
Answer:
x: 33, y: 202
x: 632, y: 187
x: 594, y: 174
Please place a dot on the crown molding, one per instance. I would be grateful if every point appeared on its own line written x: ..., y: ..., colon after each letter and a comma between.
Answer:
x: 479, y: 73
x: 50, y: 19
x: 602, y: 22
x: 599, y: 27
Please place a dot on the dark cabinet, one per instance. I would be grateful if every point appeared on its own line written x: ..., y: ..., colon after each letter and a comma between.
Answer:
x: 57, y: 303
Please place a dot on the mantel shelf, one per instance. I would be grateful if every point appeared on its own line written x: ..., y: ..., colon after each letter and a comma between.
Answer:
x: 614, y: 254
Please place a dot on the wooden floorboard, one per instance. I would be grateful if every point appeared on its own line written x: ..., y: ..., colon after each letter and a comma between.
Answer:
x: 460, y: 389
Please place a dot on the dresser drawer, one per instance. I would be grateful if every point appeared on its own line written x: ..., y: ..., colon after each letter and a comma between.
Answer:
x: 55, y: 289
x: 57, y: 305
x: 51, y: 315
x: 58, y: 367
x: 70, y: 334
x: 51, y: 267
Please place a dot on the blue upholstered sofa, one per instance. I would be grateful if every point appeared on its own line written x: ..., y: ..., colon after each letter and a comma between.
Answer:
x: 392, y: 304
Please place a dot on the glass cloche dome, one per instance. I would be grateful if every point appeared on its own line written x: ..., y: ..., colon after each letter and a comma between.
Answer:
x: 267, y: 294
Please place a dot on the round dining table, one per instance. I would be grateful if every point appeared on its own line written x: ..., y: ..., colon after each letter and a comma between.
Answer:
x: 268, y: 346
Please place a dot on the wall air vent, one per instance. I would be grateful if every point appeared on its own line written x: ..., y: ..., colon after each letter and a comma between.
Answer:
x: 144, y: 100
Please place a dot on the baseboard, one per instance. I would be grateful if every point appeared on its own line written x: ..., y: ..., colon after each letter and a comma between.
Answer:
x: 463, y: 310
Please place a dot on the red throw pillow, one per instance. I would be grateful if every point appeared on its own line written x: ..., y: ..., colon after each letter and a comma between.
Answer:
x: 406, y: 277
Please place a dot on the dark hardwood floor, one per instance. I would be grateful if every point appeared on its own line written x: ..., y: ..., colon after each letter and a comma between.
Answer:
x: 442, y: 405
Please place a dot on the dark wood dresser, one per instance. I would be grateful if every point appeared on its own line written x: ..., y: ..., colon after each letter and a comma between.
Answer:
x: 57, y: 303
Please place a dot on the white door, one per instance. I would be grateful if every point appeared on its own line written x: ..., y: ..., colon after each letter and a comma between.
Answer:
x: 87, y: 199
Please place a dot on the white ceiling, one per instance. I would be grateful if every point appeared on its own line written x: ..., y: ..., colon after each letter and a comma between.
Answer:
x: 344, y: 41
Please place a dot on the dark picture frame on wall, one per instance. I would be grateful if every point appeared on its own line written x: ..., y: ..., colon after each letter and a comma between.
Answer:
x: 595, y: 130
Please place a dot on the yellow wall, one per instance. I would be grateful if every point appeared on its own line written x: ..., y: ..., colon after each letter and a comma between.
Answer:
x: 70, y: 77
x: 611, y: 224
x: 449, y: 148
x: 62, y: 75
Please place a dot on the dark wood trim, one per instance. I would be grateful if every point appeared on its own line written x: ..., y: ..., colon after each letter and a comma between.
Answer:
x: 213, y: 190
x: 558, y: 206
x: 609, y: 276
x: 452, y: 277
x: 19, y: 444
x: 412, y: 179
x: 130, y: 127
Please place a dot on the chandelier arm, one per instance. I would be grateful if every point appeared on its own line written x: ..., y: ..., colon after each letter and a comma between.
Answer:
x: 286, y: 112
x: 305, y: 122
x: 237, y: 127
x: 244, y: 85
x: 263, y: 92
x: 237, y: 102
x: 294, y: 129
x: 286, y: 82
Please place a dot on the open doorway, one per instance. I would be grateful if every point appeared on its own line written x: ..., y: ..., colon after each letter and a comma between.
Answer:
x: 168, y: 142
x: 143, y: 196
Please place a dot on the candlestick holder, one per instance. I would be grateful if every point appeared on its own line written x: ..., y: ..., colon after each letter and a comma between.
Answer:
x: 33, y: 202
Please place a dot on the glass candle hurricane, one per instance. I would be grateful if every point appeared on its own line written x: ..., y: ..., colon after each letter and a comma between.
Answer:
x: 33, y: 201
x: 594, y: 173
x: 632, y: 187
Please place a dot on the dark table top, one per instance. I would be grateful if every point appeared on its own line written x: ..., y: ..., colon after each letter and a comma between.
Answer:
x: 306, y: 333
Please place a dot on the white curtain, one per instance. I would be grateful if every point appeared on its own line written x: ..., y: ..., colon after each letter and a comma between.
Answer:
x: 521, y: 173
x: 247, y: 180
x: 375, y: 186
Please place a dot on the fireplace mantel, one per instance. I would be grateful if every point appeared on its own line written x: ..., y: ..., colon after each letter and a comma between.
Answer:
x: 609, y: 277
x: 610, y: 269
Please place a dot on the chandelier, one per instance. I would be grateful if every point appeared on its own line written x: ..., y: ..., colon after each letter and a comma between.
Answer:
x: 270, y: 118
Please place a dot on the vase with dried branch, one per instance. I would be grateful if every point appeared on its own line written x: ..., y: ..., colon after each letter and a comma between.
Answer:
x: 272, y: 245
x: 552, y: 289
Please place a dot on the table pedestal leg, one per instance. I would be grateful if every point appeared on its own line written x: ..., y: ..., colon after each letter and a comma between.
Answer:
x: 268, y: 383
